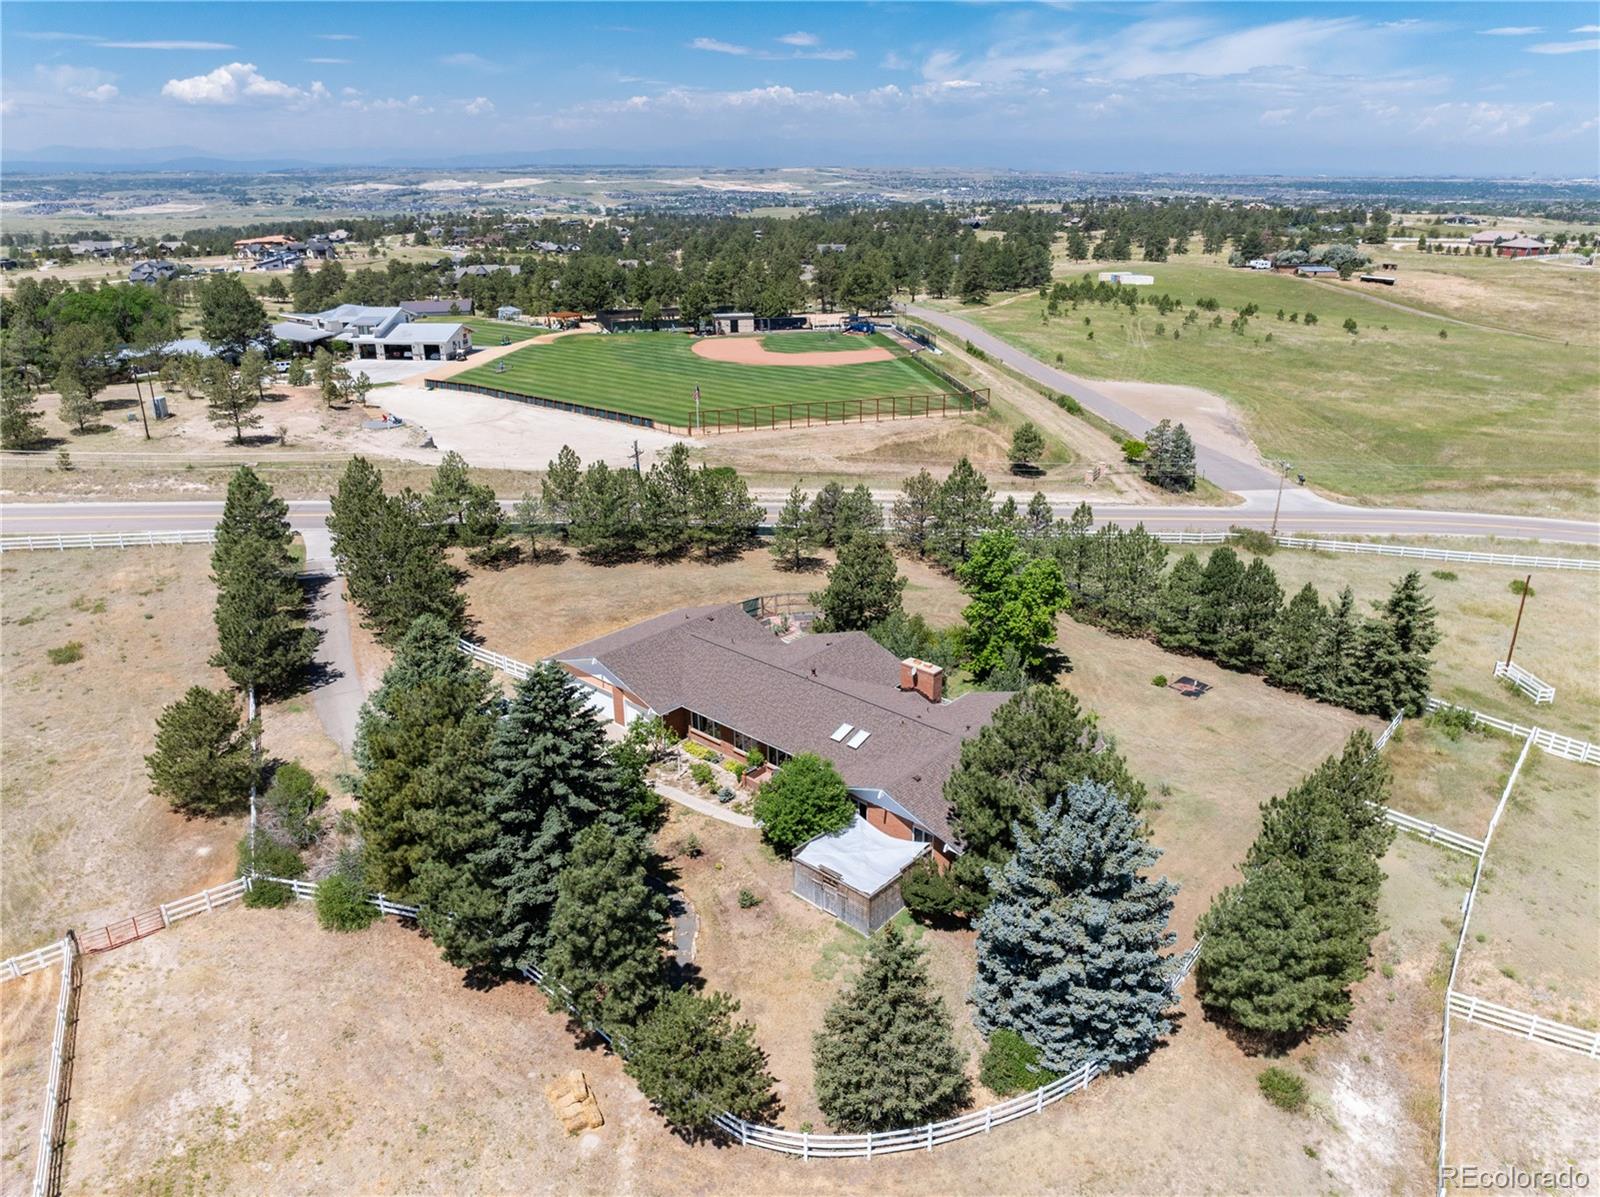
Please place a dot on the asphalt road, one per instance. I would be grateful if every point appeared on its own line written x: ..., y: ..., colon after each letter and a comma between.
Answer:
x: 1302, y: 511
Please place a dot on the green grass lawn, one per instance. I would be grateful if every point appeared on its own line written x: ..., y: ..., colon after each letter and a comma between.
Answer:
x: 825, y: 341
x: 654, y: 375
x: 1394, y: 413
x: 488, y: 333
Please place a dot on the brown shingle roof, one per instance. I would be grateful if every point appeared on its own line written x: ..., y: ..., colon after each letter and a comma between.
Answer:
x: 723, y: 664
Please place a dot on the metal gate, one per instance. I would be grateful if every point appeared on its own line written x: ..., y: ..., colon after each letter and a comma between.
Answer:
x: 126, y: 931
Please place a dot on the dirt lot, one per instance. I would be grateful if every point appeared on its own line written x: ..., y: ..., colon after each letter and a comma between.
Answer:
x: 27, y: 1024
x: 1534, y: 945
x: 1521, y: 1103
x: 1559, y: 640
x: 85, y: 841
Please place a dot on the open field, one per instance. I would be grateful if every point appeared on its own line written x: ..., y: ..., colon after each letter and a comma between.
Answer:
x: 1559, y: 641
x: 1534, y: 945
x: 1454, y: 783
x: 487, y: 332
x: 1520, y: 1103
x: 1394, y: 413
x: 655, y: 374
x: 27, y: 1023
x: 85, y: 842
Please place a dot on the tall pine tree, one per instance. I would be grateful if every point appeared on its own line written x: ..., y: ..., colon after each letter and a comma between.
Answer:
x: 864, y: 586
x: 606, y: 928
x: 886, y: 1056
x: 1070, y: 946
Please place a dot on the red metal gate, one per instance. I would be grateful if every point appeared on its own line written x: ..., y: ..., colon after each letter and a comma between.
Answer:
x: 119, y: 933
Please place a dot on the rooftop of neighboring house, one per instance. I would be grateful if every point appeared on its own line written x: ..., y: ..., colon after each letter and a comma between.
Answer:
x: 437, y: 307
x: 837, y: 695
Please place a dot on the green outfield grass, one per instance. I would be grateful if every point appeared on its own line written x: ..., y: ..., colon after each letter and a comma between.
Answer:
x: 825, y: 341
x: 655, y: 374
x: 486, y: 334
x: 1392, y: 414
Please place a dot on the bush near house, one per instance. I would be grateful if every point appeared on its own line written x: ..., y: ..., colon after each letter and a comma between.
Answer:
x: 804, y: 799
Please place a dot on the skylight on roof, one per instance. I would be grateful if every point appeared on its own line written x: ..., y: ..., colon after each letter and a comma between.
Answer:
x: 840, y: 733
x: 857, y: 740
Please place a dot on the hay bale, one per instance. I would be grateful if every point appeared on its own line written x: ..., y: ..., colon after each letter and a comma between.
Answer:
x: 574, y: 1102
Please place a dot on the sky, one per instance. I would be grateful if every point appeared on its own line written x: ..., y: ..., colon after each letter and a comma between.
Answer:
x: 1479, y: 89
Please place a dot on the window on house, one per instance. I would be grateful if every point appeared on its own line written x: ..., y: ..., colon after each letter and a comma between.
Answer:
x: 740, y: 741
x: 920, y: 836
x: 703, y: 725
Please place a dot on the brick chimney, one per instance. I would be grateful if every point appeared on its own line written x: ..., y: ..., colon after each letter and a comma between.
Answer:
x: 926, y: 678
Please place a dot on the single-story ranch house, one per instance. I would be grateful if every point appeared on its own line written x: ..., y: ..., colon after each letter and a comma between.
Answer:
x: 722, y: 677
x: 719, y: 676
x: 376, y: 333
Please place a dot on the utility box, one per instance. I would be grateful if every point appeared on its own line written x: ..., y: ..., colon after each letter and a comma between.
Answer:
x: 159, y: 406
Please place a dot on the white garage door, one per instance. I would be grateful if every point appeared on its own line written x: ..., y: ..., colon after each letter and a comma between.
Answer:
x: 630, y: 712
x: 600, y: 703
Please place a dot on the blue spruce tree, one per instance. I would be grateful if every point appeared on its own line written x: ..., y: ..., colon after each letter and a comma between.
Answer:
x: 1070, y: 947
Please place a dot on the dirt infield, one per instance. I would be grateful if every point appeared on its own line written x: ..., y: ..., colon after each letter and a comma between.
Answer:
x: 750, y: 351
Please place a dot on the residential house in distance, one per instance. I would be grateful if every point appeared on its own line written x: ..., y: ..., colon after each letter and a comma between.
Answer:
x: 152, y: 270
x: 1127, y: 278
x: 722, y: 677
x: 260, y: 247
x: 485, y: 268
x: 831, y: 247
x: 1259, y: 263
x: 1313, y: 271
x: 1523, y: 246
x: 1489, y: 237
x: 98, y: 249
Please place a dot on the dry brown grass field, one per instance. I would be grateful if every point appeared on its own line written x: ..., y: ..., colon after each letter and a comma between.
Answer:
x: 1534, y: 944
x: 1454, y: 783
x: 27, y: 1023
x: 1520, y: 1103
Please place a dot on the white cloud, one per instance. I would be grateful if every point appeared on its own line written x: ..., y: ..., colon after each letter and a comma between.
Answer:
x: 167, y: 45
x: 1276, y: 116
x: 51, y: 35
x: 390, y: 104
x: 480, y: 106
x: 336, y: 37
x: 800, y: 39
x: 329, y: 61
x: 893, y: 61
x: 1585, y: 29
x: 236, y: 82
x: 1512, y: 31
x: 85, y: 83
x: 1565, y: 47
x: 712, y: 45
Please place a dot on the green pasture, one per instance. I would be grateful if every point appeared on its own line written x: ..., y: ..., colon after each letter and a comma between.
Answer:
x: 1395, y: 413
x: 655, y: 374
x: 486, y: 334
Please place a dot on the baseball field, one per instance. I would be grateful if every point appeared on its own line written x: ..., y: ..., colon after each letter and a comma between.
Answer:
x: 654, y: 375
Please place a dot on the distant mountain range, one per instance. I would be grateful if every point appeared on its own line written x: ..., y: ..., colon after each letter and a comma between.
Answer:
x: 60, y: 159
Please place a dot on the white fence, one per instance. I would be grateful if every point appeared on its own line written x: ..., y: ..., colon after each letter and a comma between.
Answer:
x: 1388, y: 732
x: 31, y: 962
x: 1554, y: 743
x: 1520, y: 560
x: 43, y: 1165
x: 104, y: 540
x: 1525, y: 1026
x: 1435, y: 834
x: 510, y: 665
x: 1540, y: 692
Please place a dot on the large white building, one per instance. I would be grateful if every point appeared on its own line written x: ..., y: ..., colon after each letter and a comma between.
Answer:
x: 391, y: 334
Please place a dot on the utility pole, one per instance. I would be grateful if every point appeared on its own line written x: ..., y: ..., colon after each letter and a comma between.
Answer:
x: 636, y: 467
x: 1527, y: 585
x: 1283, y: 473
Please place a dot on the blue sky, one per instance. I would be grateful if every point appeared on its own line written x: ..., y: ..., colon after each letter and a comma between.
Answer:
x: 1392, y: 88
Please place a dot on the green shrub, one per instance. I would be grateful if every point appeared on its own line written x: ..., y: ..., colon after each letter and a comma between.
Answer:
x: 1133, y: 450
x: 1282, y: 1088
x: 1011, y: 1065
x: 1453, y: 722
x: 754, y: 759
x: 739, y: 769
x: 748, y: 899
x: 700, y: 752
x: 1518, y: 586
x: 272, y: 859
x: 1445, y: 575
x: 1252, y: 540
x: 805, y: 799
x: 1159, y: 681
x: 295, y: 798
x: 342, y: 904
x: 702, y: 774
x: 65, y: 655
x: 928, y: 893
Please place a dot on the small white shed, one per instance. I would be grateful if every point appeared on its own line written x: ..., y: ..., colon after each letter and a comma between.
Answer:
x: 854, y: 874
x: 507, y: 313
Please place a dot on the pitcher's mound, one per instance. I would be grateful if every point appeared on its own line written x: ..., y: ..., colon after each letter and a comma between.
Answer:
x: 749, y: 351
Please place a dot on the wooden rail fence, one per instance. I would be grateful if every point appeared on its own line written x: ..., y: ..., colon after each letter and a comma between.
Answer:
x: 63, y: 1044
x: 1524, y: 1026
x: 1540, y: 692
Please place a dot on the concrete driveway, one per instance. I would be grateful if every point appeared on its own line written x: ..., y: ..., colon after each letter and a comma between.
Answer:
x: 380, y: 370
x: 505, y: 434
